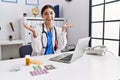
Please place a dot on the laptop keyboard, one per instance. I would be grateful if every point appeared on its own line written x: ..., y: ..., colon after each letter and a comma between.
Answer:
x: 67, y: 58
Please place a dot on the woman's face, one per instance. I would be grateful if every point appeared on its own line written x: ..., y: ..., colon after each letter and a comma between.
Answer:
x: 48, y: 15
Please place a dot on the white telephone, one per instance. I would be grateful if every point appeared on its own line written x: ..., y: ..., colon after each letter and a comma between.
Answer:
x: 97, y: 50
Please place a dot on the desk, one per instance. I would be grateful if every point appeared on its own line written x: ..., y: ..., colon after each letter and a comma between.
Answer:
x: 9, y: 43
x: 87, y: 67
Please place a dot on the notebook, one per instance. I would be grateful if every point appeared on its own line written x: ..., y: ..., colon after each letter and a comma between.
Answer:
x: 82, y: 44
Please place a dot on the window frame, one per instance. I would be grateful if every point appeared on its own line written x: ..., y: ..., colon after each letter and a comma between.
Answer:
x: 102, y: 21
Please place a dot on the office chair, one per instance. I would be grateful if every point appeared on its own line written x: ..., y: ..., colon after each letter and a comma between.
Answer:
x: 25, y: 50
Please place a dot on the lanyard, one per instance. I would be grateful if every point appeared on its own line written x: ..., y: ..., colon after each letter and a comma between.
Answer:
x: 44, y: 34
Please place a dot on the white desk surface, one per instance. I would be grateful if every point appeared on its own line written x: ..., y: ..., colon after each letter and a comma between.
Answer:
x: 88, y: 67
x: 7, y: 42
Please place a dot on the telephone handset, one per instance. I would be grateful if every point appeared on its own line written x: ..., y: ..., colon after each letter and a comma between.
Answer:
x: 101, y: 47
x: 97, y: 50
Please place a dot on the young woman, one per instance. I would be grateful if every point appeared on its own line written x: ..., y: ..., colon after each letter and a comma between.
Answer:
x: 47, y: 38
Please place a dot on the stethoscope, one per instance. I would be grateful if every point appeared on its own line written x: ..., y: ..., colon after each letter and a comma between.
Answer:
x: 44, y: 38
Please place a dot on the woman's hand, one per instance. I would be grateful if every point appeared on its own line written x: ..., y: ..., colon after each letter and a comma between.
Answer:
x: 65, y: 26
x: 32, y: 29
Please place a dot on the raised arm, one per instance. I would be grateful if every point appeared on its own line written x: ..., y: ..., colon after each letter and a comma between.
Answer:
x: 32, y: 29
x: 65, y: 26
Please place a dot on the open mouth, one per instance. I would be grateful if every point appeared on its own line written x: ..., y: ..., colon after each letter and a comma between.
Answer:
x: 49, y: 19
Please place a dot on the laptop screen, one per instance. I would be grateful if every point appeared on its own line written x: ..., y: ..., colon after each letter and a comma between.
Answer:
x: 82, y: 44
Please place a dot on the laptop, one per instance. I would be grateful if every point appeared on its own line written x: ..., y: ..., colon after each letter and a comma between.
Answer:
x: 82, y: 44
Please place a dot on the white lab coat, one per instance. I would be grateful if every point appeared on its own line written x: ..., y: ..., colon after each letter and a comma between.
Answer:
x: 37, y: 42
